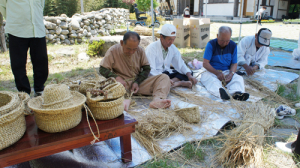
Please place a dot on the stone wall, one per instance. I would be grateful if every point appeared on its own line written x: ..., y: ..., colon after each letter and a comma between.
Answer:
x: 65, y: 30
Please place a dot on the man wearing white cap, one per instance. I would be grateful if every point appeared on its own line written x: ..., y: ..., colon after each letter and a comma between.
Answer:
x: 253, y: 51
x: 162, y: 54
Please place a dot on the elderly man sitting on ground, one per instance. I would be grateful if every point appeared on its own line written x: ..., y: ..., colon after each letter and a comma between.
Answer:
x: 220, y: 61
x: 253, y: 51
x: 127, y: 62
x: 163, y: 53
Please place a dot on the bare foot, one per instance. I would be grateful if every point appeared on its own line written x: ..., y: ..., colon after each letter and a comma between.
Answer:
x: 126, y: 103
x: 187, y: 84
x: 160, y: 103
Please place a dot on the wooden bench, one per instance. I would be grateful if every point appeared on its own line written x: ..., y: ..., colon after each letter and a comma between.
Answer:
x: 36, y: 143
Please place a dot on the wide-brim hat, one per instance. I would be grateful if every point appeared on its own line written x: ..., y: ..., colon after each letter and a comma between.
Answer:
x: 264, y: 36
x: 57, y: 97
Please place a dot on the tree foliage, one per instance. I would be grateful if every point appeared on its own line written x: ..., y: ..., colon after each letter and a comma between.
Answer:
x: 145, y: 5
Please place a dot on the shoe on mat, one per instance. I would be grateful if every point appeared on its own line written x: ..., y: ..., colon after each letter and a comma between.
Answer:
x: 36, y: 94
x: 223, y: 94
x: 285, y: 147
x: 240, y: 96
x: 284, y: 110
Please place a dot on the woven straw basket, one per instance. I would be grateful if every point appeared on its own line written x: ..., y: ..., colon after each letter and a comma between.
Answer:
x: 190, y: 114
x: 58, y: 109
x: 106, y: 110
x: 113, y: 91
x: 25, y: 98
x: 84, y: 85
x: 8, y: 102
x: 12, y: 126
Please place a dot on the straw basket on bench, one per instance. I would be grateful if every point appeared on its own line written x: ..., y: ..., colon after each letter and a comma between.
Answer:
x: 12, y: 119
x: 58, y: 109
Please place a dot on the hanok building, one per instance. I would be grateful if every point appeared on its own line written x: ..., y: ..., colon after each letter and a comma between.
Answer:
x: 277, y: 9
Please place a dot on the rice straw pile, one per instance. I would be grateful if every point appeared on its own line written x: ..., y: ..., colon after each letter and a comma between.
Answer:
x: 243, y: 145
x: 156, y: 125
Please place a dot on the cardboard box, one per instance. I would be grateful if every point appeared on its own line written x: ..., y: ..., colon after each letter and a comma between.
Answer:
x: 200, y: 32
x: 182, y: 32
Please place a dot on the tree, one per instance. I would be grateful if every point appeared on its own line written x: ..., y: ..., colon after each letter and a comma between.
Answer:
x: 50, y: 8
x: 2, y: 35
x: 145, y: 5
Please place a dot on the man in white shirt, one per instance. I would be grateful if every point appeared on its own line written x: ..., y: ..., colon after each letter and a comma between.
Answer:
x: 163, y: 53
x: 253, y: 51
x: 26, y: 29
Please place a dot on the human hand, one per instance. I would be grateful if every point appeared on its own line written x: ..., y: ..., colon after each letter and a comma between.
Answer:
x: 228, y: 77
x: 119, y: 79
x: 220, y: 76
x: 193, y: 80
x: 249, y: 70
x: 135, y: 88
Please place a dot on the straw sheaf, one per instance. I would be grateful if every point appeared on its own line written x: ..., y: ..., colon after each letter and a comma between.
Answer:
x: 189, y: 114
x: 106, y: 110
x: 9, y: 101
x: 12, y: 126
x: 25, y: 98
x: 113, y: 91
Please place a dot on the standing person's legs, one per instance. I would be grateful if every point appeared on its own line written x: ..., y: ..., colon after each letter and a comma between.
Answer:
x: 296, y: 145
x: 18, y: 48
x: 39, y: 59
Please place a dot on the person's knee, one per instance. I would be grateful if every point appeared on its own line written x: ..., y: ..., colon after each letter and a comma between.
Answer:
x: 165, y: 79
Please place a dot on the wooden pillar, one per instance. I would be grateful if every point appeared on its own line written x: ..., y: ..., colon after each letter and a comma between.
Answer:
x: 236, y: 8
x: 2, y: 35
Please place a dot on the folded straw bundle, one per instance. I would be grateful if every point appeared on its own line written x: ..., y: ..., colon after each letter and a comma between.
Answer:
x: 155, y: 125
x: 189, y: 114
x: 243, y: 145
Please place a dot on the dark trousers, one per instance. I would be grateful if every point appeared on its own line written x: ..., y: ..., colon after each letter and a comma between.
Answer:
x: 296, y: 144
x: 18, y: 48
x: 259, y: 19
x: 176, y: 74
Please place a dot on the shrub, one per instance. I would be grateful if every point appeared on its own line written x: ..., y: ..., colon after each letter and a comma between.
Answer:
x: 149, y: 19
x: 132, y: 16
x: 95, y: 49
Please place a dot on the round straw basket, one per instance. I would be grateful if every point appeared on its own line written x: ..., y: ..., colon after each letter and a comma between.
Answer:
x: 12, y: 126
x: 8, y: 101
x: 58, y: 120
x: 190, y: 114
x: 113, y: 91
x: 84, y: 85
x: 106, y: 110
x: 25, y: 98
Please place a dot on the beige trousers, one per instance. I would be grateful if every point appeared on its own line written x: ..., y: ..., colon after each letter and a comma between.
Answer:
x: 158, y: 86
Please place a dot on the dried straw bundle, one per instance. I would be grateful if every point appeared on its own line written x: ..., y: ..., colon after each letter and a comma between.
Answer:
x: 155, y: 125
x: 189, y: 114
x: 243, y: 145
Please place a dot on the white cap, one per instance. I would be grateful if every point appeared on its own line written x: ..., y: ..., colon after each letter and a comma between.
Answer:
x: 264, y: 36
x: 167, y: 30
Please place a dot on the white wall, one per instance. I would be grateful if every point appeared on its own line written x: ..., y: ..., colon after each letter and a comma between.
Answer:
x: 196, y: 5
x: 275, y: 9
x: 220, y: 9
x: 250, y: 5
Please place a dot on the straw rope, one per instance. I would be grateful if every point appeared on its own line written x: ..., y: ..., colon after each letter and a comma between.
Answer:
x: 95, y: 137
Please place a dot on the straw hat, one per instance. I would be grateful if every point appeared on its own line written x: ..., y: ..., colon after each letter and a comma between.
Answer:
x: 58, y: 109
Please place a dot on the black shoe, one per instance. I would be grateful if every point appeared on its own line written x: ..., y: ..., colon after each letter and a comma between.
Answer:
x: 223, y: 94
x: 240, y: 96
x: 240, y: 73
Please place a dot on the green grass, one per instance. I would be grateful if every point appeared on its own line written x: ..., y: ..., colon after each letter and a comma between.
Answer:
x: 160, y: 163
x: 281, y: 89
x: 191, y: 151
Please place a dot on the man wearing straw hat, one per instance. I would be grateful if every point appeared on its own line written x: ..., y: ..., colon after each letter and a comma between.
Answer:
x: 253, y: 51
x: 127, y: 62
x: 26, y: 29
x: 220, y: 61
x: 163, y: 53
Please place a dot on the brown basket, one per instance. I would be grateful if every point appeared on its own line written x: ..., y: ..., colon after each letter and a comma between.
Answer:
x: 113, y: 91
x: 58, y: 119
x: 190, y: 114
x: 106, y: 110
x: 9, y: 101
x: 25, y: 98
x: 12, y: 126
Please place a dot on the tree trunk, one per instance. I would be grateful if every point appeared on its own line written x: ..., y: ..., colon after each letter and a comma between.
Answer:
x: 235, y: 8
x: 2, y: 35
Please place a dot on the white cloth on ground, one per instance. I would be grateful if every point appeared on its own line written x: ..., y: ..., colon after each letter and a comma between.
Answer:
x: 156, y: 61
x: 212, y: 83
x: 247, y: 54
